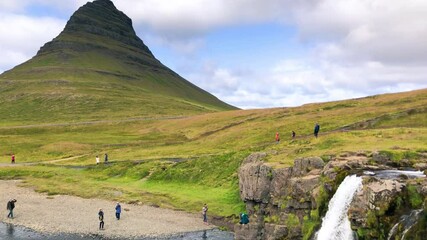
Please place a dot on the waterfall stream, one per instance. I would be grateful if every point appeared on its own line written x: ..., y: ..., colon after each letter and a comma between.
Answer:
x: 407, y: 222
x: 335, y: 225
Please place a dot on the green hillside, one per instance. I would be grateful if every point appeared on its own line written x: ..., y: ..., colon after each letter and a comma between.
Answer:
x: 182, y: 163
x: 97, y: 68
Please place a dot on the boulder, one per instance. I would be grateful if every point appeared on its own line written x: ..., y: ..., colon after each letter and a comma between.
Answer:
x: 274, y: 231
x: 255, y: 179
x: 247, y: 231
x: 304, y: 165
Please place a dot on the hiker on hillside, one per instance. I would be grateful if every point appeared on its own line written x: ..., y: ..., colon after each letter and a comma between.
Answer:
x: 10, y: 207
x: 97, y: 160
x: 277, y: 137
x: 316, y: 130
x: 205, y: 214
x: 106, y: 158
x: 244, y: 218
x: 13, y: 158
x: 293, y: 134
x: 118, y: 211
x: 101, y: 219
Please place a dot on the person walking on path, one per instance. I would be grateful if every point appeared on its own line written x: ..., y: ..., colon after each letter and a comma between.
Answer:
x: 10, y: 207
x: 277, y: 137
x: 118, y: 211
x: 101, y: 219
x: 293, y: 134
x: 205, y: 214
x: 13, y: 158
x: 106, y: 158
x: 316, y: 130
x: 97, y: 160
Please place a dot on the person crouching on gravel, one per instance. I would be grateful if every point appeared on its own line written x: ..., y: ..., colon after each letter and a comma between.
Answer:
x: 10, y: 207
x: 101, y: 219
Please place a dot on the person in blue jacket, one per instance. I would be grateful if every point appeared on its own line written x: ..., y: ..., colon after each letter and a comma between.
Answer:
x: 316, y: 130
x: 118, y: 211
x: 244, y: 218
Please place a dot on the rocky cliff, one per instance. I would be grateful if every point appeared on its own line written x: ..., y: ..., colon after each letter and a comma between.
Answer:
x: 288, y: 203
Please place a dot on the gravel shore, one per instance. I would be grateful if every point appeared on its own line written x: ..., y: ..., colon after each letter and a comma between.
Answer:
x: 69, y: 214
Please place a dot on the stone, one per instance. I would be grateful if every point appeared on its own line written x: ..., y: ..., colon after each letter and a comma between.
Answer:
x: 274, y: 231
x: 246, y: 232
x: 255, y: 179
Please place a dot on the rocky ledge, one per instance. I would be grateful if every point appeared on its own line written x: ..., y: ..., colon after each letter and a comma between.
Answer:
x: 288, y: 203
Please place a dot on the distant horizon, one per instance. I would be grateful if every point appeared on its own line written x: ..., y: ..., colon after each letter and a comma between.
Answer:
x: 256, y: 54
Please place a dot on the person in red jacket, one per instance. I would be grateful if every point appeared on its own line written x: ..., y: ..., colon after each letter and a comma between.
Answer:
x: 277, y: 137
x: 13, y: 158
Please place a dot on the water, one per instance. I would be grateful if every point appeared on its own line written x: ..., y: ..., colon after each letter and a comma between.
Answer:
x: 335, y: 224
x: 407, y: 221
x: 392, y: 174
x: 11, y: 232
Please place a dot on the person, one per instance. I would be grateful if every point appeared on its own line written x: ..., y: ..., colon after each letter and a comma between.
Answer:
x: 10, y: 207
x: 101, y: 219
x: 13, y: 158
x: 277, y: 137
x: 316, y: 130
x: 106, y: 158
x: 118, y: 211
x: 97, y: 160
x: 244, y: 219
x: 293, y: 134
x: 205, y: 214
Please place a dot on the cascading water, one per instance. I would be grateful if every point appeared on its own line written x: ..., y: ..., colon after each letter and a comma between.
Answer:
x: 407, y: 222
x: 335, y: 225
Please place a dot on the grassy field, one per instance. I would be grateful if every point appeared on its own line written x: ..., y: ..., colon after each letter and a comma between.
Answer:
x: 183, y: 163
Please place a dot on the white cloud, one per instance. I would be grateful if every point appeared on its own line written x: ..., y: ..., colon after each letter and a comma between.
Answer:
x: 355, y: 47
x: 22, y: 36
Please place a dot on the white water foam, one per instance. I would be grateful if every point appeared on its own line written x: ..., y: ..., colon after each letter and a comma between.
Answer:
x: 335, y: 224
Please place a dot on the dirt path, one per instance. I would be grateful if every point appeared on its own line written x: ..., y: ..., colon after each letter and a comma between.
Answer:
x: 92, y: 122
x: 69, y: 214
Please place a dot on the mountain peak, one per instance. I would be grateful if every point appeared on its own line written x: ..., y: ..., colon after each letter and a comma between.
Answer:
x: 98, y: 65
x: 99, y: 18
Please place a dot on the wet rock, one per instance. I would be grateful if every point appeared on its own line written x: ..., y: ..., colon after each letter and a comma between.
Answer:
x: 247, y: 231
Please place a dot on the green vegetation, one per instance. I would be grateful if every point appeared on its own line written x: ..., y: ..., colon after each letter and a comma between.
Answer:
x: 199, y: 155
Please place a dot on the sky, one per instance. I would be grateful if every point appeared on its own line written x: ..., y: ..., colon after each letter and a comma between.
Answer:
x: 256, y: 53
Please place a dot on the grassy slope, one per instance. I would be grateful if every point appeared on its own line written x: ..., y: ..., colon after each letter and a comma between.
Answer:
x: 194, y: 160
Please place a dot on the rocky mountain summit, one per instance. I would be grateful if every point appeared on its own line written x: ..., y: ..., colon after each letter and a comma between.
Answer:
x: 98, y: 67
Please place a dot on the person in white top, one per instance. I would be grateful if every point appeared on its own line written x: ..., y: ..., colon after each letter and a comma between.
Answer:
x: 97, y: 160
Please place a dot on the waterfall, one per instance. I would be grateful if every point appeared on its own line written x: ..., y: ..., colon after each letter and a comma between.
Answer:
x: 335, y: 225
x: 407, y: 221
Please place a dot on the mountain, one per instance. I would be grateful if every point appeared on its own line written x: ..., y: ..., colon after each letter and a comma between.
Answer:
x: 98, y: 68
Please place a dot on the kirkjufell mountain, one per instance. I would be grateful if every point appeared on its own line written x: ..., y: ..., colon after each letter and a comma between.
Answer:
x: 98, y: 68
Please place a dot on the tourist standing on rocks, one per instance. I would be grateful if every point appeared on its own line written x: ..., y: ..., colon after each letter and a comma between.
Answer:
x: 10, y: 207
x: 277, y: 137
x: 101, y: 219
x: 13, y: 158
x: 316, y: 130
x: 205, y: 214
x: 106, y: 158
x: 118, y: 211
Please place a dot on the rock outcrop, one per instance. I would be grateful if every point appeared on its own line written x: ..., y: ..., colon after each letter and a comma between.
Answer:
x: 288, y: 203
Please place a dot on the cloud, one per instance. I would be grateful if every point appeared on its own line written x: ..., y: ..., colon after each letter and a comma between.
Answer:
x: 353, y: 48
x: 22, y: 36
